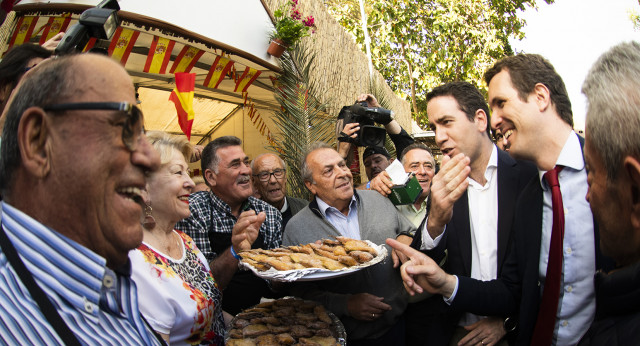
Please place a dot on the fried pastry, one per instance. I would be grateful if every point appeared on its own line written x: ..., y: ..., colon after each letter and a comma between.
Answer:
x: 361, y: 256
x: 254, y: 330
x: 266, y: 340
x: 347, y: 260
x: 322, y: 314
x: 300, y: 331
x: 240, y: 342
x: 285, y: 339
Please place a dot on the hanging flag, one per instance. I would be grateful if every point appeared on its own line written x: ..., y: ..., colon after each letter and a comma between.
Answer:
x: 122, y: 43
x: 23, y: 30
x: 186, y: 59
x: 182, y: 96
x: 246, y: 79
x: 159, y: 55
x: 54, y: 26
x: 217, y: 72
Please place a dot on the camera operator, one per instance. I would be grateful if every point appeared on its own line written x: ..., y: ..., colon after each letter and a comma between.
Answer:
x: 400, y: 138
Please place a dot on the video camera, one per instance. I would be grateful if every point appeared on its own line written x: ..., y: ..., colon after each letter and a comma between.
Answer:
x: 369, y: 135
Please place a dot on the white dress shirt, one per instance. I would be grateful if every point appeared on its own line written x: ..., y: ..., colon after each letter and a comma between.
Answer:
x: 576, y: 308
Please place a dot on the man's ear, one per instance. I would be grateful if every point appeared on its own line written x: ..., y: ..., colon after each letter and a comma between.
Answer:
x: 481, y: 120
x: 210, y: 177
x: 311, y: 187
x: 632, y: 168
x: 34, y: 141
x: 542, y: 96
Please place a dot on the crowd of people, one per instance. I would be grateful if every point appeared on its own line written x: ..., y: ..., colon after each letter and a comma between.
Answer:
x: 525, y: 233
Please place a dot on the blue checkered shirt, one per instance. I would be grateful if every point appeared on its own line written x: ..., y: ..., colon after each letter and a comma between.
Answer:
x: 210, y: 214
x: 98, y: 305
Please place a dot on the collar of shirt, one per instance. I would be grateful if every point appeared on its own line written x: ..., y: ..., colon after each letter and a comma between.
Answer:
x: 492, y: 166
x: 423, y: 206
x: 63, y: 266
x: 285, y: 206
x: 223, y: 207
x: 324, y: 206
x: 570, y: 156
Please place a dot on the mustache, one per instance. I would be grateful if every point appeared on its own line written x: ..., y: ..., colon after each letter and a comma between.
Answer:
x: 243, y: 179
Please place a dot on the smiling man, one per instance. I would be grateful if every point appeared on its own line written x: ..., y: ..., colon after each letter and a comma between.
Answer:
x: 73, y: 167
x: 370, y: 302
x: 546, y: 282
x: 214, y: 213
x: 270, y: 180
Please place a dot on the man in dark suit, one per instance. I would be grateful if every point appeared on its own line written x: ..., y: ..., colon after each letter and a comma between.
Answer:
x: 547, y: 277
x: 270, y: 180
x: 473, y: 224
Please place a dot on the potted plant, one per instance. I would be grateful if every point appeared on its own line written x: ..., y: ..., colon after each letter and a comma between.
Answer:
x: 290, y: 28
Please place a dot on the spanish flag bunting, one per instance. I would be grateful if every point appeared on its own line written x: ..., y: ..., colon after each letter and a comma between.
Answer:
x: 182, y: 97
x: 186, y: 59
x: 54, y: 26
x: 122, y: 43
x: 92, y: 42
x: 159, y: 55
x: 23, y: 30
x: 246, y: 79
x: 218, y: 70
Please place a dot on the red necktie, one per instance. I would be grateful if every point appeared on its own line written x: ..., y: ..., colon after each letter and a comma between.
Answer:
x: 543, y: 332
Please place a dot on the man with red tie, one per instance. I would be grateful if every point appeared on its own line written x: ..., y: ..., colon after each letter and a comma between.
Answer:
x: 546, y: 288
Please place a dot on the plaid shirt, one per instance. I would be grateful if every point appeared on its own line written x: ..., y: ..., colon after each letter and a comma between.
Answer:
x: 210, y: 214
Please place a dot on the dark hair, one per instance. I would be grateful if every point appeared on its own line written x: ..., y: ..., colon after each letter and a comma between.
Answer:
x: 468, y: 97
x: 51, y: 82
x: 14, y: 64
x: 527, y: 70
x: 209, y: 157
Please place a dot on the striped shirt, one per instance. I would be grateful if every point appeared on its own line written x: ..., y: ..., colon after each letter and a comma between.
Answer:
x: 99, y: 305
x: 211, y: 215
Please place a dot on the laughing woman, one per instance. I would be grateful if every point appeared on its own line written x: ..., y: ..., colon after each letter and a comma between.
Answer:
x: 178, y: 295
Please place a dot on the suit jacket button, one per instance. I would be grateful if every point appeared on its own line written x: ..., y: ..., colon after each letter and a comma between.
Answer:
x: 538, y: 283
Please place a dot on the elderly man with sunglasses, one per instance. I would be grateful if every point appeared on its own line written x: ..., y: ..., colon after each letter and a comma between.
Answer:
x: 73, y: 165
x: 270, y: 181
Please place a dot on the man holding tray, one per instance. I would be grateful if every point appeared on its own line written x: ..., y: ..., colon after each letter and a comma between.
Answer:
x: 369, y: 302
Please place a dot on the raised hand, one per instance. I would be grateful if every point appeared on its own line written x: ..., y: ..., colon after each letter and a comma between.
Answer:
x: 447, y: 187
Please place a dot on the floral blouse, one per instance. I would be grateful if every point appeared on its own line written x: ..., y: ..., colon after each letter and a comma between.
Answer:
x: 179, y: 296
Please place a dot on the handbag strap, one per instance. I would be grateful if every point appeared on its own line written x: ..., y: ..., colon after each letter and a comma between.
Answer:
x: 47, y: 308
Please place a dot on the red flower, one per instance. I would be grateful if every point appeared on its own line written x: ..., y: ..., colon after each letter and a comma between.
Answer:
x: 308, y: 21
x: 295, y: 14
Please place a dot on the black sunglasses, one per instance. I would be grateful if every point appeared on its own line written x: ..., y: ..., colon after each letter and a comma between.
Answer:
x: 132, y: 128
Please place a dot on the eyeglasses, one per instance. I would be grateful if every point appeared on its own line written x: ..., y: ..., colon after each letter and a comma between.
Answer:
x: 265, y: 176
x: 132, y: 128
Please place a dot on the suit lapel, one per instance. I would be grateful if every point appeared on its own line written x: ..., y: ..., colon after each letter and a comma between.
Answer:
x: 507, y: 191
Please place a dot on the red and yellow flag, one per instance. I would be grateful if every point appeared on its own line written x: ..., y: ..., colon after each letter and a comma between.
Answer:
x: 23, y: 30
x: 217, y: 72
x: 92, y: 42
x: 186, y: 59
x: 54, y: 26
x: 122, y: 43
x: 246, y: 79
x: 159, y: 55
x: 182, y: 96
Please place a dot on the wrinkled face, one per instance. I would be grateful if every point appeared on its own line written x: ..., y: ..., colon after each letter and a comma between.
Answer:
x: 421, y: 163
x: 610, y: 204
x: 98, y: 180
x: 515, y: 118
x: 332, y: 178
x: 274, y: 189
x: 169, y: 189
x: 232, y: 183
x: 455, y: 133
x: 374, y: 164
